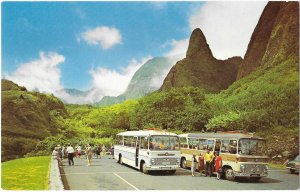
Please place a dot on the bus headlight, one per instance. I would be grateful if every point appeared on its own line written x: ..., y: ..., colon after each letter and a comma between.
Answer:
x: 243, y: 168
x: 266, y: 169
x: 152, y: 161
x: 178, y: 161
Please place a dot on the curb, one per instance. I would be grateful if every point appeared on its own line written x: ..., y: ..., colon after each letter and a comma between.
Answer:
x: 55, y: 182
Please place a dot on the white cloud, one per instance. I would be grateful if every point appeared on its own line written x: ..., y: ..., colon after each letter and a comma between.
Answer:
x: 91, y: 96
x: 105, y: 37
x: 157, y: 81
x: 179, y: 48
x: 112, y: 82
x: 227, y: 26
x: 41, y: 74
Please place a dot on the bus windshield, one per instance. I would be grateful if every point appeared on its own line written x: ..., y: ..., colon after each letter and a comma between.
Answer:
x: 163, y: 142
x: 252, y: 147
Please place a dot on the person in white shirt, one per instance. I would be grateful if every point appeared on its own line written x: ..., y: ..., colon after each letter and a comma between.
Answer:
x: 79, y: 150
x: 70, y: 151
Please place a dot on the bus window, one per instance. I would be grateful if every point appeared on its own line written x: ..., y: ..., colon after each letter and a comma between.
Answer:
x: 193, y: 143
x: 133, y: 141
x: 202, y: 144
x: 127, y: 141
x: 210, y: 144
x: 183, y: 142
x: 174, y: 144
x: 144, y: 143
x: 229, y: 146
x: 119, y: 140
x: 164, y: 143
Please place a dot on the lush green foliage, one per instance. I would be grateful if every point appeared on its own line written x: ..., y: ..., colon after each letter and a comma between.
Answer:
x: 178, y: 108
x: 26, y: 118
x: 262, y: 100
x: 26, y: 173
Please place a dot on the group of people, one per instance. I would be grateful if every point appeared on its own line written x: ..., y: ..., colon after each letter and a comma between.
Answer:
x: 59, y: 153
x: 210, y: 161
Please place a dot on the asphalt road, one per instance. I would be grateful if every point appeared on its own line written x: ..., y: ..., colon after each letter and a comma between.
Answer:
x: 107, y: 174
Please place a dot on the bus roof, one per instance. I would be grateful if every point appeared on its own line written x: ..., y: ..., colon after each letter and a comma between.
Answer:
x: 145, y: 133
x: 221, y: 135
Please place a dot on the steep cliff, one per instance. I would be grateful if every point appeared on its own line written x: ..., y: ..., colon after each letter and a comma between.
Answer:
x: 275, y: 38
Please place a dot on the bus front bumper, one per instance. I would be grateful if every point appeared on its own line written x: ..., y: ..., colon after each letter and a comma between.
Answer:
x: 239, y: 174
x: 161, y: 168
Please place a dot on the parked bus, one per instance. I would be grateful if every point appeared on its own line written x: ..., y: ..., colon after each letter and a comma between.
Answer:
x: 148, y: 150
x: 243, y: 155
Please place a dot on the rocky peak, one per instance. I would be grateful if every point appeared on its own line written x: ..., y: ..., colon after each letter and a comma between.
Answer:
x: 201, y: 69
x: 198, y: 45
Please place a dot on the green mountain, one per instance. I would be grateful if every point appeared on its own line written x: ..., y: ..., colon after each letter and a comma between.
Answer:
x: 201, y: 69
x: 147, y: 78
x: 265, y: 99
x: 27, y: 117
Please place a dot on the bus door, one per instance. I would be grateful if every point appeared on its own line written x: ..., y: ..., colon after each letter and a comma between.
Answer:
x: 218, y: 145
x: 137, y: 146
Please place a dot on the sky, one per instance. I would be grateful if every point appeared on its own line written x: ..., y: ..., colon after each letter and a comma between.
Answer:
x: 98, y: 46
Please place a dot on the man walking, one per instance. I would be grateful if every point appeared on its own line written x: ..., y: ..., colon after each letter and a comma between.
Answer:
x: 70, y: 151
x: 208, y: 157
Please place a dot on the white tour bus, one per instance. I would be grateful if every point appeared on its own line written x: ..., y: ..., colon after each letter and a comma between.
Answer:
x: 148, y: 150
x: 243, y: 155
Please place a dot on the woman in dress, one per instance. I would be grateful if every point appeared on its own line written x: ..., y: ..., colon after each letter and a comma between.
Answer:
x: 218, y: 164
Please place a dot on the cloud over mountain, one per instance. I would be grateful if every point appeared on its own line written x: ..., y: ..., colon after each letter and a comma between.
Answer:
x: 41, y: 74
x: 113, y: 82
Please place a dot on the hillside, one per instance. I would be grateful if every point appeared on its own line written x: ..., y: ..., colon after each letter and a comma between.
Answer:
x: 146, y: 79
x: 275, y: 38
x: 201, y: 69
x: 27, y: 117
x: 267, y: 99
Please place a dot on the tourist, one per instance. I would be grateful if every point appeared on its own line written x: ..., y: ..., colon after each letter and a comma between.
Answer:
x: 193, y: 167
x: 218, y: 165
x: 70, y: 151
x: 111, y: 152
x: 201, y: 164
x: 54, y: 153
x: 89, y: 154
x: 79, y: 150
x: 98, y: 150
x: 208, y: 157
x: 103, y: 150
x: 76, y: 152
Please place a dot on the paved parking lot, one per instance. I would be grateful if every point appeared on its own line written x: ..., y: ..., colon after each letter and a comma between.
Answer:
x: 107, y: 174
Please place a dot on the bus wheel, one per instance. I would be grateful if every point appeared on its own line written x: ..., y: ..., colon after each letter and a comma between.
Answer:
x: 183, y: 163
x: 229, y: 174
x: 143, y: 168
x: 120, y: 159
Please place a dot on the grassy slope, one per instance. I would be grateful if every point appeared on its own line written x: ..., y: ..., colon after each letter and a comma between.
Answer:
x: 26, y: 174
x: 26, y: 118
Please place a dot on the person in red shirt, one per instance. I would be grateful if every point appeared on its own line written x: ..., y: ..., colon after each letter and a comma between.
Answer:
x: 201, y: 164
x: 218, y: 164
